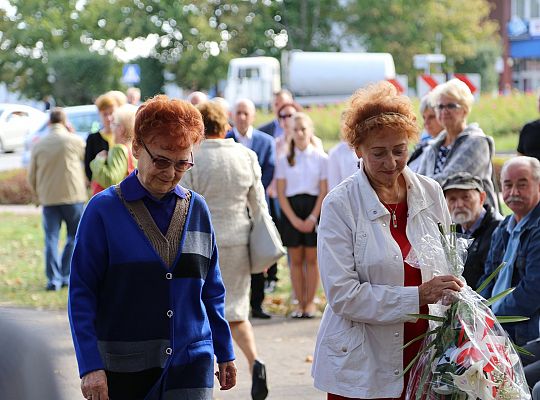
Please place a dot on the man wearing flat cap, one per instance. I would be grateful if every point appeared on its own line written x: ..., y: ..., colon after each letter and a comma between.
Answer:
x: 466, y: 197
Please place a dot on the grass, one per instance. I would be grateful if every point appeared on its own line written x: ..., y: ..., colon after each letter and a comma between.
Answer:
x: 22, y: 271
x: 22, y: 276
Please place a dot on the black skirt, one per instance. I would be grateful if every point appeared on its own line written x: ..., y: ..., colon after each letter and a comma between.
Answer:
x: 302, y: 205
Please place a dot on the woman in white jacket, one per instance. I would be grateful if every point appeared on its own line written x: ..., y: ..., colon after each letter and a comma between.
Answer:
x: 368, y: 225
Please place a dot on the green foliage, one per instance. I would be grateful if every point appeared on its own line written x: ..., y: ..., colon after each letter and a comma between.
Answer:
x: 484, y: 63
x: 504, y: 114
x: 195, y: 40
x: 501, y: 117
x: 456, y: 28
x: 152, y: 80
x: 81, y: 76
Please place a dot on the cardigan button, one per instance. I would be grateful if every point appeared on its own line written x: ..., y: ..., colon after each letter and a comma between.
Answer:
x: 168, y: 351
x: 168, y: 275
x: 384, y: 224
x: 396, y: 372
x: 344, y: 349
x: 169, y: 313
x: 396, y: 334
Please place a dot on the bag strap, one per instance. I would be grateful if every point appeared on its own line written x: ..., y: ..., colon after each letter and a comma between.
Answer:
x: 167, y: 246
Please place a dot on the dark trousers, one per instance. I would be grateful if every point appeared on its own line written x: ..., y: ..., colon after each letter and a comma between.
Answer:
x: 132, y: 385
x: 531, y: 365
x: 257, y: 291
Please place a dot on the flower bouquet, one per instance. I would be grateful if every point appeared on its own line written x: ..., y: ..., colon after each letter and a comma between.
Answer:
x: 466, y: 354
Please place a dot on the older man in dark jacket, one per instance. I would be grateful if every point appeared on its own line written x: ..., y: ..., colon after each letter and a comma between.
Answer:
x: 516, y: 242
x: 466, y: 198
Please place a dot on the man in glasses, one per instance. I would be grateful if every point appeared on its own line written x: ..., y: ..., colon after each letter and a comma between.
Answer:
x: 263, y: 145
x: 273, y: 128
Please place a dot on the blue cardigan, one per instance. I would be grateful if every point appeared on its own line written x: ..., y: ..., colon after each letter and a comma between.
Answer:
x: 129, y: 312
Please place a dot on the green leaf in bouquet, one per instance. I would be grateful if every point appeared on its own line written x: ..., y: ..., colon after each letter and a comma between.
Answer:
x: 419, y: 337
x: 428, y: 316
x: 508, y: 319
x: 522, y: 350
x: 499, y: 296
x: 486, y: 282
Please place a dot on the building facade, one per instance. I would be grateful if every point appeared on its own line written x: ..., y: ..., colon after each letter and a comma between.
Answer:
x: 519, y: 27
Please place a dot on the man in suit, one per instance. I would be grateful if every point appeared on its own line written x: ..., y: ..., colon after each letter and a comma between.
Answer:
x: 272, y: 128
x: 264, y: 146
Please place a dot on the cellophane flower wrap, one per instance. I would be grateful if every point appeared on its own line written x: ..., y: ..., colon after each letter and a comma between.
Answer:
x: 466, y: 354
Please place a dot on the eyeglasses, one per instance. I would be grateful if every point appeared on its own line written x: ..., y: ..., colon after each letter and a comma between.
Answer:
x: 449, y: 106
x: 164, y: 163
x: 284, y: 116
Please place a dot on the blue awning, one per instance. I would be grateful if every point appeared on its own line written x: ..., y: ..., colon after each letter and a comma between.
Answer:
x: 529, y: 48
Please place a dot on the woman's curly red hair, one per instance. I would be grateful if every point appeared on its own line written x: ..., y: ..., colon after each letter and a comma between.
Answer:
x: 176, y: 118
x: 376, y: 107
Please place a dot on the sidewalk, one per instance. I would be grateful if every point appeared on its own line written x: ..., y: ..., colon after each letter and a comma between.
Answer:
x: 285, y: 345
x: 20, y: 208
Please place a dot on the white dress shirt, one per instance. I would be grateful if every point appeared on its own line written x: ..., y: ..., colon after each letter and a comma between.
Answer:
x: 244, y: 139
x: 304, y: 177
x: 342, y: 163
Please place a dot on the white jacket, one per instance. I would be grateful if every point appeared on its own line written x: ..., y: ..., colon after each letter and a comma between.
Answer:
x: 358, y: 352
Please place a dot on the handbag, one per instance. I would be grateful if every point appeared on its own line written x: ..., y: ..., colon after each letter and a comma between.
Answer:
x: 265, y: 247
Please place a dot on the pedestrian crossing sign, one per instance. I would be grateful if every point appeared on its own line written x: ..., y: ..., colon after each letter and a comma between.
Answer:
x: 131, y: 73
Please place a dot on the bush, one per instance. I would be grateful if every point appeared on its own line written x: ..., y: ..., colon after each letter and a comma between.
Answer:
x: 14, y: 188
x: 501, y: 117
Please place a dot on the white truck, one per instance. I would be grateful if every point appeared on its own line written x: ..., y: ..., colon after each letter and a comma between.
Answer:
x: 312, y: 77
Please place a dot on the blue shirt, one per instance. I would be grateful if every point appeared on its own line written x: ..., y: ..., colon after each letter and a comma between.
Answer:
x: 469, y: 232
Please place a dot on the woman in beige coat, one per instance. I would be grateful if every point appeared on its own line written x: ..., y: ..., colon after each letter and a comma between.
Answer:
x: 228, y: 175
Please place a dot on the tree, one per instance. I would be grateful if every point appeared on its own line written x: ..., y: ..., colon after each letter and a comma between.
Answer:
x: 408, y: 27
x: 32, y: 36
x: 484, y: 63
x: 79, y: 76
x: 152, y: 79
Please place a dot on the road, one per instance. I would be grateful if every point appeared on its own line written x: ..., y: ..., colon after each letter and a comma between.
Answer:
x: 11, y: 160
x: 285, y: 345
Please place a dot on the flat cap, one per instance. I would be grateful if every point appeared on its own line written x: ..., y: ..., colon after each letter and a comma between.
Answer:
x: 462, y: 180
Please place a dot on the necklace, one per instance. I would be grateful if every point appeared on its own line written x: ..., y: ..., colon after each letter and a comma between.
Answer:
x: 393, y: 212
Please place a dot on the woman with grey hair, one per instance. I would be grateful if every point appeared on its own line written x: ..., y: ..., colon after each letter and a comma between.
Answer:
x: 460, y: 147
x: 432, y: 128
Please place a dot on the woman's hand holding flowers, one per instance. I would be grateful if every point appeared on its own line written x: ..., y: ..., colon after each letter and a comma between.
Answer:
x: 433, y: 290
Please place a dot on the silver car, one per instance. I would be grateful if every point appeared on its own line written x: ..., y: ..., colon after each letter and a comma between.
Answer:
x: 83, y: 120
x: 16, y: 122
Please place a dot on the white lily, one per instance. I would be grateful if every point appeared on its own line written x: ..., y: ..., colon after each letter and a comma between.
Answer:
x: 475, y: 383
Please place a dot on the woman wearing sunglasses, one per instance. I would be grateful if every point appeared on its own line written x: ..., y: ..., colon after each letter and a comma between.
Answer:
x: 146, y: 297
x: 460, y: 147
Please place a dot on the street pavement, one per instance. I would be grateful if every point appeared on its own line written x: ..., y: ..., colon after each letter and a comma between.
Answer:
x: 285, y: 345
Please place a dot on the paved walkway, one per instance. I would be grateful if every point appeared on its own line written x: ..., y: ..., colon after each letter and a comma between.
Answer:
x: 20, y: 209
x: 285, y: 345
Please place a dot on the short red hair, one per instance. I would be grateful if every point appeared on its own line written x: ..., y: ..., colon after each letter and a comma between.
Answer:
x: 176, y: 118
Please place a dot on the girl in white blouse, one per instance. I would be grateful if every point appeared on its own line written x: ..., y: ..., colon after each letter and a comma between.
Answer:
x: 301, y: 177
